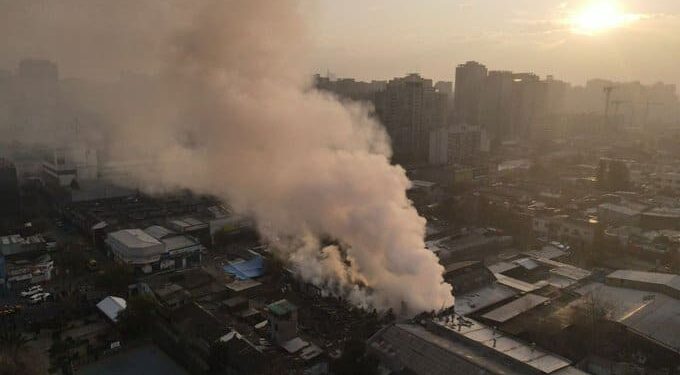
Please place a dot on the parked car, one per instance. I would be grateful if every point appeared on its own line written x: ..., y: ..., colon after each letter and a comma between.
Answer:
x: 9, y: 309
x: 30, y: 291
x: 39, y: 297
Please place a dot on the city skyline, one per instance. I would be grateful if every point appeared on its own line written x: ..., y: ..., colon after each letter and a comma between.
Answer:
x: 526, y: 35
x: 324, y: 187
x: 620, y: 40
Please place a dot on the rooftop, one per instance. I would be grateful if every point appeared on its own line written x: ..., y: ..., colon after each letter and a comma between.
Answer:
x: 515, y: 308
x: 158, y: 232
x: 281, y: 307
x: 422, y: 352
x: 506, y: 346
x: 628, y: 208
x: 547, y: 252
x: 112, y: 307
x: 444, y: 346
x: 241, y: 285
x: 478, y: 299
x: 520, y: 285
x: 669, y: 280
x: 134, y: 238
x: 640, y: 311
x: 419, y: 184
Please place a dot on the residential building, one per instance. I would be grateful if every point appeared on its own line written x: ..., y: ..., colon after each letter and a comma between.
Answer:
x: 409, y: 108
x: 33, y: 271
x: 528, y: 103
x: 17, y: 245
x: 64, y: 166
x: 283, y: 320
x: 348, y: 88
x: 470, y: 79
x: 574, y: 231
x: 668, y: 284
x: 666, y: 182
x: 460, y: 144
x: 9, y: 191
x: 625, y: 213
x: 154, y: 249
x: 496, y: 105
x: 37, y: 98
x: 444, y: 87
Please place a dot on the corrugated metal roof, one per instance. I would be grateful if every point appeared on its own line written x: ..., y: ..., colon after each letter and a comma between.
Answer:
x: 547, y: 252
x: 652, y: 315
x: 526, y: 263
x: 481, y: 298
x: 412, y: 347
x: 520, y: 285
x: 178, y: 242
x: 246, y: 269
x: 501, y: 267
x: 508, y: 346
x: 647, y: 277
x: 158, y: 232
x: 515, y: 308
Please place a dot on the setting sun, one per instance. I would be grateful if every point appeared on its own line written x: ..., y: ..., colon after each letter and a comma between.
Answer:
x: 600, y: 16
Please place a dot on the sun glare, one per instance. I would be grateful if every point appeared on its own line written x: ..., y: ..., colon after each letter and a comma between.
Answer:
x: 600, y: 16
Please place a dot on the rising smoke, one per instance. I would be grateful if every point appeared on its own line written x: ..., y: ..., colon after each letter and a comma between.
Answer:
x: 236, y: 116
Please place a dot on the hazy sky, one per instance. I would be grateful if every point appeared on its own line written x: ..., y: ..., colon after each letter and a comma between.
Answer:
x: 384, y: 38
x: 369, y: 39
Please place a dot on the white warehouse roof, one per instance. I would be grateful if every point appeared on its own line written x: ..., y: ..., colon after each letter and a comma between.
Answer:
x: 134, y: 238
x: 112, y: 307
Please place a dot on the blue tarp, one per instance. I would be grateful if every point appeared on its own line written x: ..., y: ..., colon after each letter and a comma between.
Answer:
x: 246, y: 269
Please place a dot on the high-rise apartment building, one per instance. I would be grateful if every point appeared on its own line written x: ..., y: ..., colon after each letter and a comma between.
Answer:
x: 496, y: 105
x: 409, y: 108
x: 36, y: 88
x: 528, y: 103
x: 470, y: 79
x: 348, y: 88
x: 9, y: 191
x: 450, y: 145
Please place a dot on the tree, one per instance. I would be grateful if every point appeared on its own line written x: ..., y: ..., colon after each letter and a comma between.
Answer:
x: 590, y: 320
x: 355, y: 360
x: 72, y: 260
x: 115, y: 278
x: 13, y: 359
x: 139, y: 316
x: 11, y: 339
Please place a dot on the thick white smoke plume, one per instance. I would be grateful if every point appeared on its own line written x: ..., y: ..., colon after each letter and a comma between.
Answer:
x: 239, y: 119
